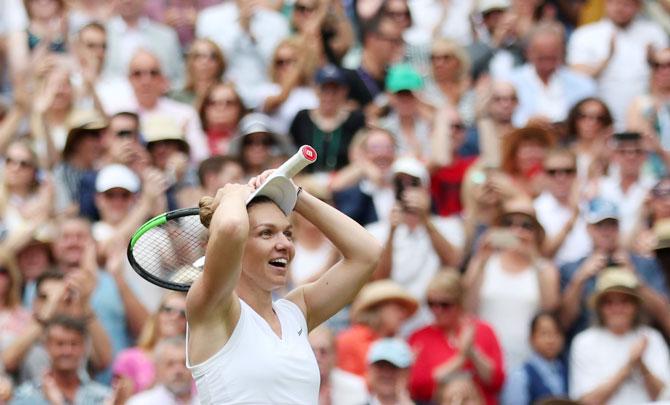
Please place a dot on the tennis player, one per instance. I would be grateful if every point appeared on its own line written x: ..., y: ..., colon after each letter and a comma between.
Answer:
x: 242, y: 347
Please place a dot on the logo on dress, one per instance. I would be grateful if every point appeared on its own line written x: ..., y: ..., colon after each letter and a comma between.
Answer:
x: 300, y: 332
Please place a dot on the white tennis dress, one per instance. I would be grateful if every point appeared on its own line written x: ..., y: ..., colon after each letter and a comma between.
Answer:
x: 258, y: 367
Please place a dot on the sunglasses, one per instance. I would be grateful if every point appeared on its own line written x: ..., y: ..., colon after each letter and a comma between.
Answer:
x: 442, y: 57
x: 630, y: 151
x: 284, y: 62
x: 458, y: 126
x: 23, y: 164
x: 523, y: 223
x: 398, y: 14
x: 567, y: 171
x: 96, y: 45
x: 153, y: 73
x: 442, y: 305
x: 264, y: 141
x: 601, y: 118
x: 660, y: 65
x: 172, y: 310
x: 302, y: 9
x: 510, y: 99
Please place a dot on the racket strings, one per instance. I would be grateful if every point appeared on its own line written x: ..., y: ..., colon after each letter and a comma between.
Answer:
x: 169, y: 251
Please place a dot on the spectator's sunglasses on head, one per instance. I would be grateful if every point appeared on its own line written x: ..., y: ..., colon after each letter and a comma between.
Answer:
x: 137, y: 73
x: 512, y: 221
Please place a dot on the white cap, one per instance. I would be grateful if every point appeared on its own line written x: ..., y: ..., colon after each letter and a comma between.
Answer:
x: 488, y: 5
x: 280, y: 190
x: 117, y: 176
x: 413, y: 167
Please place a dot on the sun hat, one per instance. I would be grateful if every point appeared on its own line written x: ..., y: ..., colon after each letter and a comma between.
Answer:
x: 81, y: 123
x: 161, y: 127
x: 392, y: 350
x: 380, y: 291
x: 521, y: 206
x: 615, y: 279
x: 254, y: 123
x: 403, y: 77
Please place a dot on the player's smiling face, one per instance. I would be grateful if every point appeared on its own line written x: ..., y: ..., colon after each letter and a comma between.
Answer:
x: 269, y: 249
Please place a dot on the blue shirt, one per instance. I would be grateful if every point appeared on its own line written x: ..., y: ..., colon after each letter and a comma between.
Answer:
x: 648, y: 270
x: 89, y: 392
x: 518, y: 387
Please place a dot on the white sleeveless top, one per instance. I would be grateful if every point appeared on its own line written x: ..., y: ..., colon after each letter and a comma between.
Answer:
x: 258, y: 367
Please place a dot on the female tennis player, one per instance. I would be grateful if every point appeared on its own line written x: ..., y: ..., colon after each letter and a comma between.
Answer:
x: 243, y: 347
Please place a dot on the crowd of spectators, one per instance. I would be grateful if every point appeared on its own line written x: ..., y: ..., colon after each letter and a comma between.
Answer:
x: 511, y: 156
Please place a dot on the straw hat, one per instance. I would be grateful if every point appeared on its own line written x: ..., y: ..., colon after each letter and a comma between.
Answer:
x: 381, y: 291
x: 160, y: 127
x: 662, y: 232
x: 615, y: 279
x: 80, y: 123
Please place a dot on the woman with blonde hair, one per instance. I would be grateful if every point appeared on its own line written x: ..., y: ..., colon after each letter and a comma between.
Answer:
x: 136, y: 363
x: 205, y: 66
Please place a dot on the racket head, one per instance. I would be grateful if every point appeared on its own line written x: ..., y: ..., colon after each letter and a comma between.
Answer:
x: 166, y: 249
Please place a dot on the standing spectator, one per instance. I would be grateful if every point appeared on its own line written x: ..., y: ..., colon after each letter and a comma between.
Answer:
x: 174, y: 384
x: 507, y: 280
x: 130, y: 30
x: 220, y: 113
x: 613, y: 51
x: 618, y: 361
x: 377, y: 312
x: 330, y: 127
x: 248, y: 33
x: 578, y: 279
x: 337, y: 386
x: 544, y: 374
x: 291, y: 73
x: 14, y: 318
x: 181, y: 15
x: 389, y: 361
x: 546, y: 88
x: 205, y: 67
x: 558, y: 210
x: 436, y: 19
x: 416, y: 243
x: 169, y: 151
x: 65, y: 342
x: 453, y: 343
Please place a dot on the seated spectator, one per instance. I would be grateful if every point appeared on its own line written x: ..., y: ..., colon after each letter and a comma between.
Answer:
x: 544, y: 375
x: 411, y: 126
x: 330, y: 127
x: 205, y: 67
x: 363, y: 189
x: 458, y: 388
x: 589, y: 128
x: 455, y: 342
x: 220, y: 113
x: 26, y: 356
x: 137, y: 363
x: 337, y: 387
x: 619, y: 360
x: 558, y: 210
x: 258, y: 147
x: 546, y: 88
x: 388, y: 362
x: 62, y: 382
x: 291, y: 72
x: 174, y: 384
x: 377, y: 312
x: 416, y: 243
x: 213, y: 173
x: 507, y: 281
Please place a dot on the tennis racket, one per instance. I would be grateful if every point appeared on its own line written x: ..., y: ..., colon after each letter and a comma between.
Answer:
x: 169, y: 249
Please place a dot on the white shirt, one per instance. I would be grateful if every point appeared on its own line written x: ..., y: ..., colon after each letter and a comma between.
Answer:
x: 426, y: 15
x: 347, y: 388
x: 627, y: 74
x: 300, y: 98
x: 184, y: 115
x: 306, y: 263
x: 383, y: 198
x: 508, y: 302
x: 553, y: 216
x: 248, y: 59
x: 13, y: 16
x: 629, y: 203
x: 256, y: 366
x: 552, y: 100
x: 158, y: 395
x: 414, y: 259
x: 597, y: 354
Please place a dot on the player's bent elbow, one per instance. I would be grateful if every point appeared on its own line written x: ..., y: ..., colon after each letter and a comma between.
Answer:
x: 371, y: 254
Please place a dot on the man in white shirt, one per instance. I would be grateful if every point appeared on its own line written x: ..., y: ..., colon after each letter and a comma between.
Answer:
x: 614, y: 52
x: 173, y: 380
x: 130, y: 30
x: 247, y: 33
x: 545, y: 87
x: 148, y: 84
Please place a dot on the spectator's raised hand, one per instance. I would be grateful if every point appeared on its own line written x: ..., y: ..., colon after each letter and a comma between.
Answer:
x: 637, y: 351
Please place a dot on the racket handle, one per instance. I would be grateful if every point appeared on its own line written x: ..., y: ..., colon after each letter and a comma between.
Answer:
x: 305, y: 156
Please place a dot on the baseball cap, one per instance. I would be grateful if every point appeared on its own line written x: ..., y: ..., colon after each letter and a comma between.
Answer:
x: 403, y: 77
x: 330, y: 74
x: 486, y: 6
x: 117, y: 176
x: 600, y: 209
x: 393, y: 350
x: 253, y: 123
x: 413, y: 167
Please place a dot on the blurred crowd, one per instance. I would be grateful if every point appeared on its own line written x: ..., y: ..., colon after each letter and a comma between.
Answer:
x: 511, y: 156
